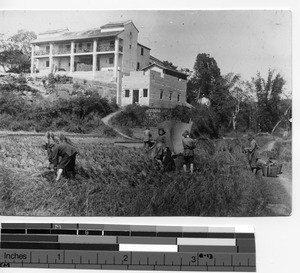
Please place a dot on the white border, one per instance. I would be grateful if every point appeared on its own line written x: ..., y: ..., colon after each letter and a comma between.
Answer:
x: 276, y: 237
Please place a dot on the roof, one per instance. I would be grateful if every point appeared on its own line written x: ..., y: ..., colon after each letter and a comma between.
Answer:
x: 155, y: 60
x: 54, y: 31
x: 118, y: 24
x: 92, y: 33
x: 144, y: 46
x: 169, y: 71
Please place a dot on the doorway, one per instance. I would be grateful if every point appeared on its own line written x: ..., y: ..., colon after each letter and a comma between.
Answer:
x: 135, y: 96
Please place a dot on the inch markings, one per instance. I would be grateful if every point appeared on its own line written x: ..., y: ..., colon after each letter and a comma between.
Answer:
x: 127, y: 247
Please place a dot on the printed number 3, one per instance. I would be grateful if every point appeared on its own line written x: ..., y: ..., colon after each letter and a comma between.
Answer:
x: 193, y: 259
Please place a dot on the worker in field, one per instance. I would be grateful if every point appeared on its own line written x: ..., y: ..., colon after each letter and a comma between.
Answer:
x: 147, y: 138
x: 52, y: 140
x: 252, y: 154
x: 168, y: 161
x: 66, y: 152
x: 188, y: 151
x: 159, y: 146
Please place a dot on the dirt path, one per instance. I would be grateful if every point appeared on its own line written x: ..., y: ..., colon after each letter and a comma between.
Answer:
x: 280, y: 188
x: 106, y: 121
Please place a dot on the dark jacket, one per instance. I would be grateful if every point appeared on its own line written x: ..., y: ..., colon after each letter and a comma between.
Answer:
x: 63, y: 150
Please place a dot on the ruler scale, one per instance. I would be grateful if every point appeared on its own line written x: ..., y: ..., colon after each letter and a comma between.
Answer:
x: 127, y: 247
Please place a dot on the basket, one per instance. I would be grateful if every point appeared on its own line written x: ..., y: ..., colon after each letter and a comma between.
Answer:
x: 265, y: 170
x: 272, y: 170
x: 279, y: 166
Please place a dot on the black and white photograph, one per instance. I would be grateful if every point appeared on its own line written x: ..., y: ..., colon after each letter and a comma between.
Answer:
x: 146, y: 113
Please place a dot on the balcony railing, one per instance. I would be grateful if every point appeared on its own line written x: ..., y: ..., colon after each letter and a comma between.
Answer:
x: 62, y: 51
x: 41, y: 52
x: 83, y: 50
x: 105, y: 48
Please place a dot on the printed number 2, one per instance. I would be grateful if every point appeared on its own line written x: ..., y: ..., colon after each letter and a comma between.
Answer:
x: 193, y: 259
x: 125, y: 258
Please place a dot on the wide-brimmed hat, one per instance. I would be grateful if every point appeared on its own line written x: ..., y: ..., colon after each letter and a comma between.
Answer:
x: 185, y: 133
x: 162, y: 129
x: 250, y: 136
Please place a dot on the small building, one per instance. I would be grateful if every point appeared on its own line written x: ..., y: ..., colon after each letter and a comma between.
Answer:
x: 155, y: 86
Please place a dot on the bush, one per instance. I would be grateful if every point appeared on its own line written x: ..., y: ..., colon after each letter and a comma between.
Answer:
x: 133, y: 115
x: 204, y: 122
x: 109, y: 132
x: 63, y: 79
x: 80, y: 114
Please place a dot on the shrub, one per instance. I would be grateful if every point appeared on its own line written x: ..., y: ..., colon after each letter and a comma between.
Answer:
x: 204, y: 122
x: 109, y: 132
x: 127, y: 131
x: 133, y: 115
x: 80, y: 114
x: 76, y: 86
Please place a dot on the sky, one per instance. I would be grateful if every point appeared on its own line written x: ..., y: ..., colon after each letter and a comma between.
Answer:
x: 242, y: 42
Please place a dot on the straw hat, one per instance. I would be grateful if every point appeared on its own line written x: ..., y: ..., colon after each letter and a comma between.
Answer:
x: 185, y: 133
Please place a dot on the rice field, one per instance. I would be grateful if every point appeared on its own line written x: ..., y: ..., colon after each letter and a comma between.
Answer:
x: 119, y: 181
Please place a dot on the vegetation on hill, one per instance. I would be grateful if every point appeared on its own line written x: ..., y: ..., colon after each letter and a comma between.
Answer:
x: 24, y: 108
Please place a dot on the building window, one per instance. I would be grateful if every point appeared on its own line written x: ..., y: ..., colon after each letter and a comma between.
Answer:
x: 80, y: 45
x: 145, y: 93
x: 47, y: 49
x: 170, y: 95
x: 138, y: 66
x: 112, y: 43
x: 88, y: 45
x: 129, y: 46
x: 127, y: 93
x: 111, y: 60
x: 161, y: 94
x: 178, y: 97
x: 142, y: 51
x: 47, y: 64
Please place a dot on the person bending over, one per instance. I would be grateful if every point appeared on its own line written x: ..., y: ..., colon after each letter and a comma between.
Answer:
x: 66, y: 150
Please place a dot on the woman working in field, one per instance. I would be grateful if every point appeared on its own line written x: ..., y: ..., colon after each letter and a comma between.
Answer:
x: 252, y: 154
x: 66, y: 150
x: 188, y: 151
x: 159, y: 146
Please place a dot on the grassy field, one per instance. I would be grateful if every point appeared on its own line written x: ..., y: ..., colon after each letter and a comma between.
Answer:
x: 118, y: 181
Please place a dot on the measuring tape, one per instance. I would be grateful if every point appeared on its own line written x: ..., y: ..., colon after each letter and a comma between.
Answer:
x: 126, y: 247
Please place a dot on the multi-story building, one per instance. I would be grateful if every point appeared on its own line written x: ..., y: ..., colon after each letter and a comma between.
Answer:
x: 109, y: 54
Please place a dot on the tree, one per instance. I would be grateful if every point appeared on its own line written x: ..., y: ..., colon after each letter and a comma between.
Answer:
x: 15, y: 51
x: 241, y: 96
x: 169, y: 65
x: 14, y: 60
x: 206, y: 75
x: 268, y: 99
x: 21, y: 41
